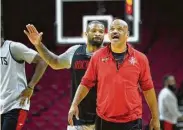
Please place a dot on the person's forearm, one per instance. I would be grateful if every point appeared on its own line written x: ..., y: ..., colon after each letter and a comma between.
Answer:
x: 81, y: 93
x: 151, y: 100
x: 39, y: 71
x: 50, y: 58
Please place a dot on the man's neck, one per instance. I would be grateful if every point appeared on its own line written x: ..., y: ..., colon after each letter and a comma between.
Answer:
x: 91, y: 48
x: 119, y: 49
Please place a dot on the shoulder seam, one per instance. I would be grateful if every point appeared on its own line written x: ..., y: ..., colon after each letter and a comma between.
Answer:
x: 21, y: 61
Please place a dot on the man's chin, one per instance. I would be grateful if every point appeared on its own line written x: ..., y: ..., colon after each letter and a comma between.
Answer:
x: 96, y: 43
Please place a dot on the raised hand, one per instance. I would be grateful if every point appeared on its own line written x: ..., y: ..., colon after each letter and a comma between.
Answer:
x: 34, y: 36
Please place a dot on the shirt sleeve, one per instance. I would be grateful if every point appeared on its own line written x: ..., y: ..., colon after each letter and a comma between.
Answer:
x: 172, y: 106
x: 145, y: 79
x: 21, y: 52
x: 65, y: 59
x: 90, y: 78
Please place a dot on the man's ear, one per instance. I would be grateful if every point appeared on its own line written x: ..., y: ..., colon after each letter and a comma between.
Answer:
x: 128, y: 33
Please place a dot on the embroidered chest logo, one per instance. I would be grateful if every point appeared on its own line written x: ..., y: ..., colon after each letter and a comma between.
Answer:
x: 132, y: 60
x: 105, y: 59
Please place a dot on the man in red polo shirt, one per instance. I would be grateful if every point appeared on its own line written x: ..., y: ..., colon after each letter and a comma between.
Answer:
x: 120, y: 72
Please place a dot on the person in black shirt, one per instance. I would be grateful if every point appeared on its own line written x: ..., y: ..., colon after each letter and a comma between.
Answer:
x: 75, y: 58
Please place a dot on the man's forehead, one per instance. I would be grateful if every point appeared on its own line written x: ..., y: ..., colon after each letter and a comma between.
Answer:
x: 92, y: 26
x: 119, y: 23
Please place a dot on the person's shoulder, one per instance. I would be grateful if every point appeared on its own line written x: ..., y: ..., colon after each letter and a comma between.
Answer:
x: 74, y: 47
x: 163, y: 93
x: 166, y: 92
x: 163, y: 90
x: 9, y: 42
x: 5, y: 43
x: 15, y: 44
x: 139, y: 54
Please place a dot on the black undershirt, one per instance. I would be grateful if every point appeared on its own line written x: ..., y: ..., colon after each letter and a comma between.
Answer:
x: 118, y: 57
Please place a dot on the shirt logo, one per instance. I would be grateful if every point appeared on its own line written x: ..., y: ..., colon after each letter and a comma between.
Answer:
x: 4, y: 61
x: 132, y: 60
x: 81, y: 64
x: 20, y: 124
x: 105, y: 59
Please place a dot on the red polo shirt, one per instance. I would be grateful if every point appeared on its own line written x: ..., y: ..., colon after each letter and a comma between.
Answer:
x: 118, y: 95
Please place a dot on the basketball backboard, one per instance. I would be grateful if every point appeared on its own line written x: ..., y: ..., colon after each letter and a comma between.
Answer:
x: 72, y: 17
